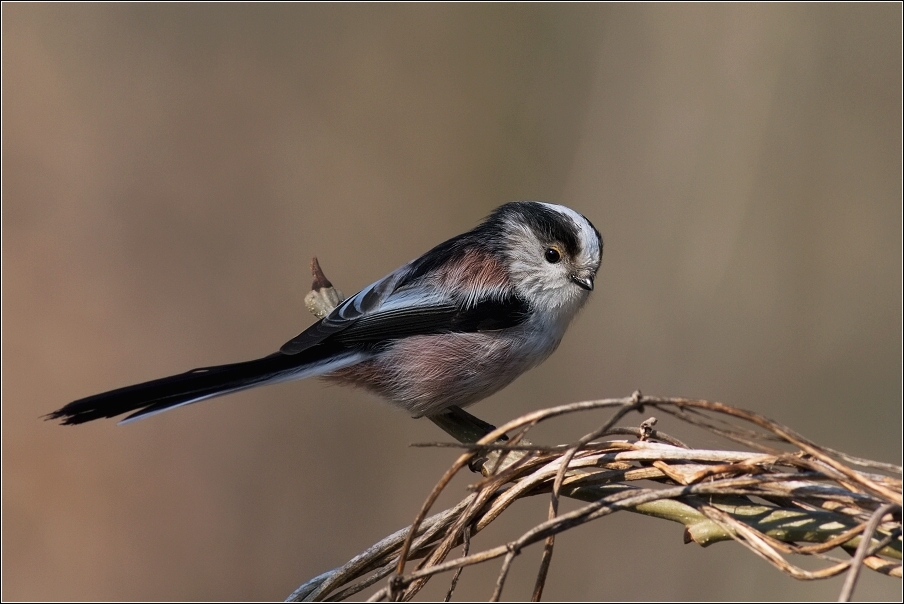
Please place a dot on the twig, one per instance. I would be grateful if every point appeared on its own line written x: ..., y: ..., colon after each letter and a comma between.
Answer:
x: 851, y: 580
x: 466, y: 547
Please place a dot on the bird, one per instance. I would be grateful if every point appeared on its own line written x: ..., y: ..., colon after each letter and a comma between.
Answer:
x: 449, y: 328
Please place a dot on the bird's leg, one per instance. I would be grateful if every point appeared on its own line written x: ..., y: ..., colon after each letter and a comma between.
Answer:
x: 461, y: 425
x: 468, y: 429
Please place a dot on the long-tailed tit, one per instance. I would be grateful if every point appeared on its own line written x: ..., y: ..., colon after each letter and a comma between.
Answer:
x: 449, y: 328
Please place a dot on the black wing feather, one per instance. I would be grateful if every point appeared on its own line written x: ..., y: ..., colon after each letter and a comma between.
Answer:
x: 398, y: 323
x: 365, y: 302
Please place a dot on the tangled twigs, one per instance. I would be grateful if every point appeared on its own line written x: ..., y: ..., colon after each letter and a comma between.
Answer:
x: 783, y: 496
x: 814, y: 502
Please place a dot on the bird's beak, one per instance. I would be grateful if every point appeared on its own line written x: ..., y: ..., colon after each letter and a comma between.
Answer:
x: 585, y: 282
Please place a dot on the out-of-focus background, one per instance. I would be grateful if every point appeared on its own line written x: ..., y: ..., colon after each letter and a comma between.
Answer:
x: 169, y: 170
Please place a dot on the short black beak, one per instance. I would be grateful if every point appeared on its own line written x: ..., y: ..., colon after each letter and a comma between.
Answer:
x: 583, y: 282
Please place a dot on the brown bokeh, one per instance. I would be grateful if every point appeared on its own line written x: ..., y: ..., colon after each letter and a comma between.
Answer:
x: 168, y: 170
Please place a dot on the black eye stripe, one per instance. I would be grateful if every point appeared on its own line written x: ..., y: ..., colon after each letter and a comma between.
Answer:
x: 550, y: 227
x: 555, y: 227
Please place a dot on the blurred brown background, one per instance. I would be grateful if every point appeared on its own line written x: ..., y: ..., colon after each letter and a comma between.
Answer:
x: 169, y: 170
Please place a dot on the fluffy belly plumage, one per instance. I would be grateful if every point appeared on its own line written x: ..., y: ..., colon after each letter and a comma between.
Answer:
x: 426, y: 374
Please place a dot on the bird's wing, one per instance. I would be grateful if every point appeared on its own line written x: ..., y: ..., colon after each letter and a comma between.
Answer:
x: 421, y: 317
x: 386, y: 311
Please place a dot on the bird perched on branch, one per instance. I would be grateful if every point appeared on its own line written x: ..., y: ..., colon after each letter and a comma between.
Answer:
x: 449, y: 328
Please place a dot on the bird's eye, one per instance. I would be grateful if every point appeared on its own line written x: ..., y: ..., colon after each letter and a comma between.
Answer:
x: 552, y: 255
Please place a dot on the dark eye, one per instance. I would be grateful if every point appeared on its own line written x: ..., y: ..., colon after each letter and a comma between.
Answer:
x: 552, y: 255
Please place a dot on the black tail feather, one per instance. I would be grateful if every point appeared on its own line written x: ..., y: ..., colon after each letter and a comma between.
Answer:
x: 164, y: 393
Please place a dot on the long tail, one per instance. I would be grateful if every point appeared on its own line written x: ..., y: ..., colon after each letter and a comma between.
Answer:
x: 160, y: 395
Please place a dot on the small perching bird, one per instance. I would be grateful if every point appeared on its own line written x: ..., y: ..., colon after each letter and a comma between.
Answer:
x: 449, y: 328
